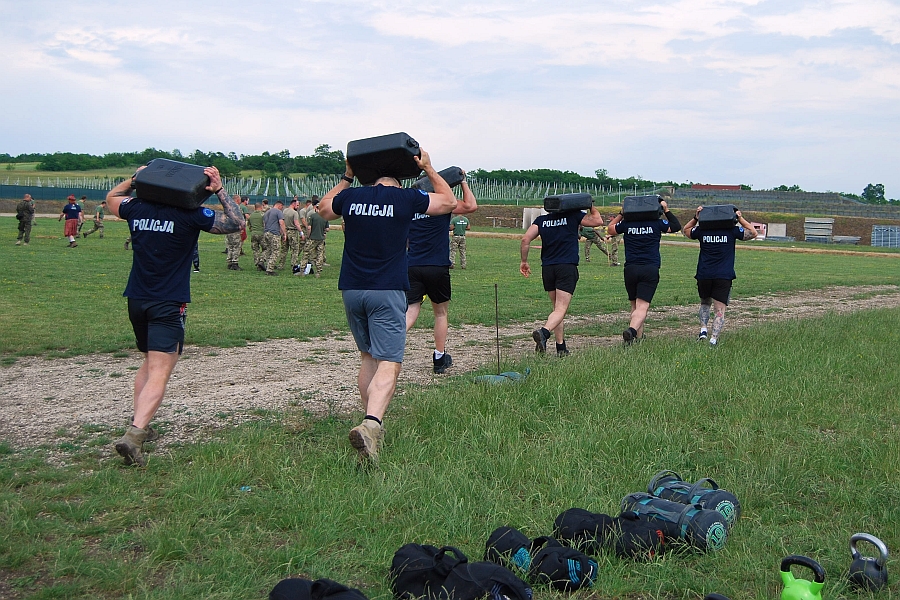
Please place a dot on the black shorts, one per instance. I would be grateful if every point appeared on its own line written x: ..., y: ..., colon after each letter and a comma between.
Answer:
x: 560, y: 277
x: 158, y: 325
x: 717, y: 289
x: 641, y: 282
x: 433, y: 282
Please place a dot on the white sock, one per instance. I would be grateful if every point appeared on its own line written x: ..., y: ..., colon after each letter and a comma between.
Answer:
x: 438, y: 355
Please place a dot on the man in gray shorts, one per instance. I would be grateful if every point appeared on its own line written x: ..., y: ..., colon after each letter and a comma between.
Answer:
x: 374, y: 280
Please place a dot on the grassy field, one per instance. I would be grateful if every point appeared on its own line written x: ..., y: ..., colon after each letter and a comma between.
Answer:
x: 802, y: 428
x: 58, y: 301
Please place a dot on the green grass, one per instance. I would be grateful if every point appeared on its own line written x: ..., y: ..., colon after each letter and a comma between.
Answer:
x: 798, y: 419
x: 64, y: 302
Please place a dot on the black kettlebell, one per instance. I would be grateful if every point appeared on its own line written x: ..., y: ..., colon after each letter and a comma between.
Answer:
x: 868, y: 573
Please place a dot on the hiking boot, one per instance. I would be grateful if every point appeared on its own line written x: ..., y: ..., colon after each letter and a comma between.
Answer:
x: 259, y: 267
x: 366, y: 438
x: 272, y: 273
x: 540, y: 339
x: 561, y: 350
x: 129, y: 445
x: 441, y: 364
x: 126, y: 244
x: 84, y: 235
x: 702, y: 335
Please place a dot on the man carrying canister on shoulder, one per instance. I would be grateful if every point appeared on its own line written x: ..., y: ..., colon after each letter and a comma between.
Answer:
x: 159, y: 290
x: 374, y: 281
x: 642, y: 263
x: 559, y: 266
x: 715, y: 269
x: 429, y: 271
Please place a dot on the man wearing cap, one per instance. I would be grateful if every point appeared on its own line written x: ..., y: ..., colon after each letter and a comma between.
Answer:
x: 74, y: 216
x: 159, y: 289
x: 429, y: 271
x: 374, y: 280
x: 276, y: 234
x: 25, y: 215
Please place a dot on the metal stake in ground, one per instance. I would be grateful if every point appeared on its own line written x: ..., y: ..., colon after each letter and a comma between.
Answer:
x: 497, y: 324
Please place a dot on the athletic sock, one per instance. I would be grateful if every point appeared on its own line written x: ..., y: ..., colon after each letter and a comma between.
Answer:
x: 371, y: 418
x: 438, y: 355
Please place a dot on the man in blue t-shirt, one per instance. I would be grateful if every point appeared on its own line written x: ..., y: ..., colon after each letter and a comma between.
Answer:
x: 642, y: 262
x: 374, y: 280
x: 715, y: 269
x: 159, y: 289
x: 559, y: 266
x: 429, y: 272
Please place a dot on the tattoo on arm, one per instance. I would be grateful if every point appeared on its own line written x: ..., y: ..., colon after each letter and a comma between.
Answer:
x: 230, y: 219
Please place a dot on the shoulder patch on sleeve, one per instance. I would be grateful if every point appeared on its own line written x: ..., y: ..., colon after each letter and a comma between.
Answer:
x: 124, y: 201
x: 423, y: 192
x: 666, y: 221
x: 208, y: 212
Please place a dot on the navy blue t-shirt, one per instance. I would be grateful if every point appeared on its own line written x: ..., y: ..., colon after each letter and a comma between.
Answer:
x: 642, y: 241
x: 716, y: 260
x: 71, y: 211
x: 376, y: 227
x: 429, y: 241
x: 163, y: 239
x: 559, y: 237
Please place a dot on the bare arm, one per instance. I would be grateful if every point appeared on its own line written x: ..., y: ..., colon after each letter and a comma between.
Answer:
x: 593, y: 218
x: 441, y: 201
x: 611, y: 229
x: 123, y: 190
x: 530, y: 235
x: 690, y: 224
x: 468, y: 204
x: 325, y: 203
x: 231, y: 219
x: 749, y: 230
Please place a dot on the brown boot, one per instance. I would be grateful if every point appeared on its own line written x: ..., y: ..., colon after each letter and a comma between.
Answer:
x: 129, y: 446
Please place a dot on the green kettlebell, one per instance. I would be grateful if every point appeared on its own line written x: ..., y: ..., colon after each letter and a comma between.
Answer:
x: 801, y: 589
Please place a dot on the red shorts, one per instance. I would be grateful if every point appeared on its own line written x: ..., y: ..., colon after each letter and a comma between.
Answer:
x: 71, y: 227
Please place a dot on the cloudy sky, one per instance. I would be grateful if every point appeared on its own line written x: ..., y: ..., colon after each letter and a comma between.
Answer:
x: 762, y: 92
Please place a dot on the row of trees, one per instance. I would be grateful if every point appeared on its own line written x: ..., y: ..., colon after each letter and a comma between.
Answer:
x: 323, y: 161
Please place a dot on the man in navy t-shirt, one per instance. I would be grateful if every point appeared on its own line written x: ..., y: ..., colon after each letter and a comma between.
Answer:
x: 374, y: 280
x: 159, y: 289
x: 559, y: 267
x: 429, y: 272
x: 715, y: 269
x: 642, y: 262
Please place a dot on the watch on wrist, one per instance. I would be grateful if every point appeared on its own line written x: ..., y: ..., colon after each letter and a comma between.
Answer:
x: 347, y: 179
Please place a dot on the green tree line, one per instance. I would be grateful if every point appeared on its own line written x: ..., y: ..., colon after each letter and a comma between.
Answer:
x: 323, y: 161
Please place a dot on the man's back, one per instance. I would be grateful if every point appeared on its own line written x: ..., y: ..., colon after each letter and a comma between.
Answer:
x: 428, y: 242
x: 270, y: 220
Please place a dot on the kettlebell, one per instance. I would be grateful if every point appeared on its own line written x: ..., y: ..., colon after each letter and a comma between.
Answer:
x: 801, y: 589
x: 868, y: 573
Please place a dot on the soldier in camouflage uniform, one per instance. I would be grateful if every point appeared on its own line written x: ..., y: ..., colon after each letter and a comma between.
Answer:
x: 233, y: 243
x: 459, y: 224
x: 25, y: 215
x: 591, y: 238
x: 255, y: 225
x: 295, y: 232
x: 98, y: 220
x: 315, y: 245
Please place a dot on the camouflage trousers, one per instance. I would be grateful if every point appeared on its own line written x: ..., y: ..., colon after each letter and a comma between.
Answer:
x: 315, y: 255
x: 256, y: 244
x: 291, y: 248
x: 25, y: 230
x: 272, y: 251
x: 233, y: 247
x: 98, y: 226
x: 458, y: 244
x: 595, y: 241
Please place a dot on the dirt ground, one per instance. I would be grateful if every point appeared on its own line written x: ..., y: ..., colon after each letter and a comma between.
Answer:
x: 64, y: 404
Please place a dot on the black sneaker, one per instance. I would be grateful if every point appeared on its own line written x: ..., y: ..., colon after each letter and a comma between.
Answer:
x: 540, y: 340
x: 561, y: 350
x: 441, y: 364
x: 702, y: 336
x: 628, y: 336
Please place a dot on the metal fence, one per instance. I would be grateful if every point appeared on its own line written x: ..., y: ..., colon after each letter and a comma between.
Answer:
x: 886, y: 236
